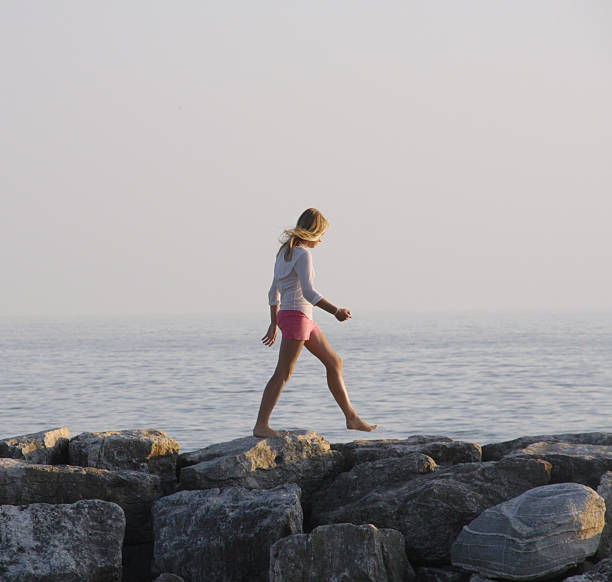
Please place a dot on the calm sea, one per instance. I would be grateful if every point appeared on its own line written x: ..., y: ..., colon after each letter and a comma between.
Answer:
x: 481, y: 377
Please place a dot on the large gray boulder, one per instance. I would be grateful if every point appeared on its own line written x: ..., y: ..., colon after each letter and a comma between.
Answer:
x: 537, y: 535
x: 442, y: 450
x: 303, y: 457
x: 351, y: 486
x: 430, y: 509
x: 48, y: 447
x: 602, y: 572
x: 571, y: 462
x: 341, y: 552
x: 148, y: 450
x: 60, y: 543
x: 22, y: 483
x: 223, y: 534
x: 605, y: 490
x: 495, y: 451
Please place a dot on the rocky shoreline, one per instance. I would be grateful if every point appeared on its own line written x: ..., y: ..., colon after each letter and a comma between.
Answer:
x: 127, y: 505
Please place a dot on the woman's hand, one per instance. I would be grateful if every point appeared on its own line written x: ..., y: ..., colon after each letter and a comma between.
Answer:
x: 270, y: 336
x: 343, y: 314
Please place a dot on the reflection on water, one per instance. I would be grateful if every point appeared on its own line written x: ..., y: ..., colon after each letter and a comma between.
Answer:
x: 479, y: 377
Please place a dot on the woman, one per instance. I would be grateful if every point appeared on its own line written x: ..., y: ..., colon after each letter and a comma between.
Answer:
x: 293, y: 286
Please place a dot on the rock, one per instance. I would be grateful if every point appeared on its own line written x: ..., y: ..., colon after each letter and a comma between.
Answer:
x: 539, y: 534
x: 602, y: 572
x: 169, y: 578
x: 605, y: 490
x: 425, y: 574
x: 56, y: 543
x: 441, y: 449
x: 303, y: 457
x: 49, y: 447
x: 147, y: 450
x: 495, y: 451
x: 431, y: 509
x: 576, y: 463
x: 341, y: 552
x: 351, y: 486
x: 22, y: 483
x: 223, y: 534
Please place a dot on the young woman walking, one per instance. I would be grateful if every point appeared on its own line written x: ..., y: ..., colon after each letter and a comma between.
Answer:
x: 293, y: 287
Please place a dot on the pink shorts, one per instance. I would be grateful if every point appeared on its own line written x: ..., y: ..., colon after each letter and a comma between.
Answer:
x: 295, y: 325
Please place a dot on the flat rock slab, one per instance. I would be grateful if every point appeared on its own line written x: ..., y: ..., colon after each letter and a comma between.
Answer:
x: 340, y: 552
x: 49, y: 447
x: 221, y: 535
x: 539, y: 534
x: 602, y: 572
x: 495, y: 451
x: 442, y: 450
x: 22, y: 483
x: 605, y: 490
x: 577, y: 463
x: 431, y: 509
x: 57, y: 543
x: 147, y: 450
x: 303, y: 457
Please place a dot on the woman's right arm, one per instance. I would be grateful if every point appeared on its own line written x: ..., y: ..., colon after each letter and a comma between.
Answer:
x: 273, y: 300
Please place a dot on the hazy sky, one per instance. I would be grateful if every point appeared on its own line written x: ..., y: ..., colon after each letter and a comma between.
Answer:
x: 152, y: 152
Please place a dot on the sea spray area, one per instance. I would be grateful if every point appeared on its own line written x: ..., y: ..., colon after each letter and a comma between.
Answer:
x: 130, y: 505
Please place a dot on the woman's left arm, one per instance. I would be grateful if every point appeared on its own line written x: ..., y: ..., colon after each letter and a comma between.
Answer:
x: 305, y: 273
x: 304, y: 270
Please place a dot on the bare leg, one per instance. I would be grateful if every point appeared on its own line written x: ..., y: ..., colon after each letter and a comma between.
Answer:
x: 319, y: 346
x: 287, y: 356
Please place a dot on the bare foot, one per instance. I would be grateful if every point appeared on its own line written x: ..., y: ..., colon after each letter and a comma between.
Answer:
x: 358, y: 424
x: 262, y: 432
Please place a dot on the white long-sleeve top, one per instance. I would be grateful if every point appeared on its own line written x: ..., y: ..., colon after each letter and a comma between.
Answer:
x: 293, y: 282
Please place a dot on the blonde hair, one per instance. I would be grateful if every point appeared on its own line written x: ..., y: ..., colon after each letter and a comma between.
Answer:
x: 310, y: 227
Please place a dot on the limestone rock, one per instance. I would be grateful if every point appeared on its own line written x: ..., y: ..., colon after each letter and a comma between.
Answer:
x: 570, y: 462
x: 431, y: 509
x: 303, y: 457
x: 56, y: 543
x: 147, y: 450
x: 539, y: 534
x: 442, y: 450
x: 341, y: 552
x: 223, y: 534
x: 428, y: 574
x: 49, y: 447
x: 605, y: 490
x: 495, y: 451
x: 602, y: 572
x: 353, y: 485
x: 22, y: 483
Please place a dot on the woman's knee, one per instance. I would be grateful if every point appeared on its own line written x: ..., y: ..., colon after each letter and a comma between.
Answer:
x: 282, y: 374
x: 334, y: 363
